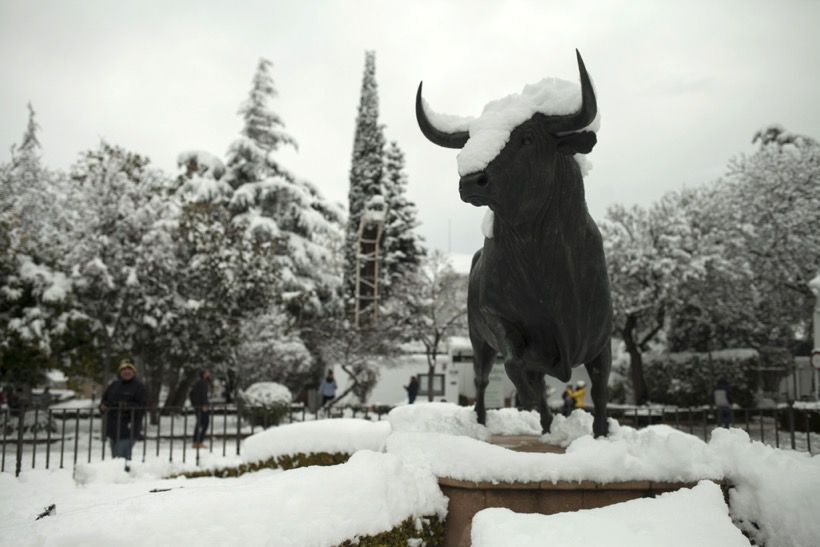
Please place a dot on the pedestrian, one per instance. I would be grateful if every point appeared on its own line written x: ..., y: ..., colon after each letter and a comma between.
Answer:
x: 45, y: 398
x: 199, y: 400
x: 722, y: 398
x: 327, y: 389
x: 569, y: 402
x: 412, y: 390
x: 578, y: 394
x: 123, y: 404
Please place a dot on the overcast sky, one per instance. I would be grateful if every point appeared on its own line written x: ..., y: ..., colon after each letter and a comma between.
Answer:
x: 682, y: 86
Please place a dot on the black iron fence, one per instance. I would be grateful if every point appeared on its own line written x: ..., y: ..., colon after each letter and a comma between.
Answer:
x: 784, y: 426
x: 64, y: 437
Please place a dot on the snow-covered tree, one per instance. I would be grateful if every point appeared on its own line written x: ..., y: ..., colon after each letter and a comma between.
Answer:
x: 367, y: 168
x: 430, y: 305
x: 778, y: 192
x: 249, y: 156
x: 766, y: 213
x: 37, y: 317
x: 653, y: 256
x: 279, y: 207
x: 402, y: 246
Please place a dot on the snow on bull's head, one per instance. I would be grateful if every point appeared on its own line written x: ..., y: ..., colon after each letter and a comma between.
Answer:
x: 513, y: 149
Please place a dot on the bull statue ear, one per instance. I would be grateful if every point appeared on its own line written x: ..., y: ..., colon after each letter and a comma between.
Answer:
x: 577, y: 143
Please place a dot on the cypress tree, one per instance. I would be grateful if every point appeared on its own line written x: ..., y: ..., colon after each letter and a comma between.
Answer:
x: 367, y: 167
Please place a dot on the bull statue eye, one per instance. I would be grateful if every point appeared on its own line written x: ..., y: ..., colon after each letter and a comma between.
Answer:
x: 526, y: 140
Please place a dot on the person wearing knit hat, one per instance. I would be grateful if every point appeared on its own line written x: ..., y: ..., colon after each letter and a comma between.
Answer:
x: 123, y: 405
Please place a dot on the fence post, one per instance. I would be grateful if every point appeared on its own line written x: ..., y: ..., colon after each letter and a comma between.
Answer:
x: 21, y: 422
x: 238, y: 422
x: 48, y: 436
x: 76, y: 434
x: 791, y: 424
x: 5, y: 432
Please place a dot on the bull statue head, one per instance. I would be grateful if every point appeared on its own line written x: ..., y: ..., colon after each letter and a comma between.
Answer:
x: 538, y: 142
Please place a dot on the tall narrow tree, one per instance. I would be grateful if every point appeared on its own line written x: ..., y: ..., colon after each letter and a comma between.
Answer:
x: 366, y: 168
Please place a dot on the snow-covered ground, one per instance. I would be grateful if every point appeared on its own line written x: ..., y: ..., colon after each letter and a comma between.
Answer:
x: 392, y: 476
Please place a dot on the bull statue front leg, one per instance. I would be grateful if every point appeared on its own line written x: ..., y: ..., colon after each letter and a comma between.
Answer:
x: 598, y: 370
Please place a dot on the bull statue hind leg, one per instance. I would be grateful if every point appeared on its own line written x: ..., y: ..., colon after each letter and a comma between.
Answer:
x: 483, y: 359
x: 598, y: 370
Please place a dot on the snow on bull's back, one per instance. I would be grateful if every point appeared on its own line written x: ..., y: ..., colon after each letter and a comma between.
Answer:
x: 346, y: 435
x: 490, y: 132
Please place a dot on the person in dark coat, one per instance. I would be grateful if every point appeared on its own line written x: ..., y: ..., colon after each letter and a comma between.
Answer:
x: 412, y: 390
x: 123, y: 405
x: 722, y: 398
x: 199, y: 400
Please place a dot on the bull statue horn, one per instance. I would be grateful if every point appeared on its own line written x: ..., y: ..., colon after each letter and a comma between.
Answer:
x: 589, y: 106
x: 442, y: 138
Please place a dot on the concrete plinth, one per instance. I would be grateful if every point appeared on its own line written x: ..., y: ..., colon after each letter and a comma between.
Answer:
x: 547, y: 498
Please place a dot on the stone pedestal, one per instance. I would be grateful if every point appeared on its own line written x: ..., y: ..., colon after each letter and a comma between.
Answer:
x: 545, y: 497
x: 467, y: 498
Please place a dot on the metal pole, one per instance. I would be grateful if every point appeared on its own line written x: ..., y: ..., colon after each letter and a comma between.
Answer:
x: 48, y: 437
x: 5, y: 432
x: 20, y: 425
x: 171, y: 449
x: 791, y: 424
x: 90, y: 430
x: 807, y: 415
x: 224, y: 430
x: 62, y: 440
x: 34, y: 441
x: 238, y: 423
x: 76, y: 435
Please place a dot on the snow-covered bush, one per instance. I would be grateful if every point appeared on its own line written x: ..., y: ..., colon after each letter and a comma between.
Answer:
x: 265, y: 403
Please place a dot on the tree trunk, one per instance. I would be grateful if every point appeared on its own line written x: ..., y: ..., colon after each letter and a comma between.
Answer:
x: 179, y: 391
x: 635, y: 360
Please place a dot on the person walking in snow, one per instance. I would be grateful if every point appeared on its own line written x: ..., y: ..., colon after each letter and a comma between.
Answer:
x: 578, y: 394
x: 412, y: 390
x: 722, y: 398
x: 199, y: 400
x: 569, y: 402
x: 123, y: 405
x: 327, y: 389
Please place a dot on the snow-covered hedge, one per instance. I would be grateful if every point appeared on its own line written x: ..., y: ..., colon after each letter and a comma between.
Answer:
x: 265, y: 403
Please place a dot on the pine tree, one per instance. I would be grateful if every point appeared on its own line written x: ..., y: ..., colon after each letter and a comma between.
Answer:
x: 366, y: 168
x: 249, y: 157
x: 281, y: 207
x: 402, y: 246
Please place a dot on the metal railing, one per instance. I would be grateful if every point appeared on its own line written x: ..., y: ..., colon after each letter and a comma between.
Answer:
x: 784, y: 426
x: 45, y: 439
x: 63, y: 437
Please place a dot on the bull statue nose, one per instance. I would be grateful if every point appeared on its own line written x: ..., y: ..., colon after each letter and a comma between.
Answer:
x: 479, y: 179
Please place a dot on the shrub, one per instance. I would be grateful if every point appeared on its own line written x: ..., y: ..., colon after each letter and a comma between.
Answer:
x: 687, y: 379
x: 285, y: 462
x: 265, y: 403
x: 412, y: 531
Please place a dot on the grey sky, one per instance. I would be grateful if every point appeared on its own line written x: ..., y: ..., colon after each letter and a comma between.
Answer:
x: 682, y: 86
